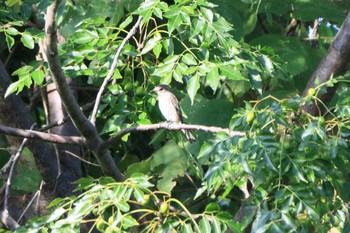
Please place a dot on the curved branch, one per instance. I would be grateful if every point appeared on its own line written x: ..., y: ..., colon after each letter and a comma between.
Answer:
x: 170, y: 126
x: 36, y: 135
x: 113, y: 67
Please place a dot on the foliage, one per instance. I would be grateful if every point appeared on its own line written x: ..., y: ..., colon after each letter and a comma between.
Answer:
x: 289, y: 173
x: 109, y: 206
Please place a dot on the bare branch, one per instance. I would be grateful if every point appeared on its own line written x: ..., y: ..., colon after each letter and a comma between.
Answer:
x: 113, y: 67
x: 36, y: 135
x: 170, y: 126
x: 36, y: 198
x: 8, y: 181
x: 8, y: 221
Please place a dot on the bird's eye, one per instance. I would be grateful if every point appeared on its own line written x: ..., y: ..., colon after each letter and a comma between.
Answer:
x: 161, y: 89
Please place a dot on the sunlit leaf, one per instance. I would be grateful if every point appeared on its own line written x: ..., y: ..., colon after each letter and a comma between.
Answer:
x: 193, y: 86
x: 27, y: 41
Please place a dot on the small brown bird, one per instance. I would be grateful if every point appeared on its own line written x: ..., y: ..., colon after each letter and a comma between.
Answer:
x: 170, y: 108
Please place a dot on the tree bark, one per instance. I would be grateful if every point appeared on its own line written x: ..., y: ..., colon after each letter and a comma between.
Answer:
x: 14, y: 113
x: 83, y: 125
x: 333, y: 64
x: 57, y: 113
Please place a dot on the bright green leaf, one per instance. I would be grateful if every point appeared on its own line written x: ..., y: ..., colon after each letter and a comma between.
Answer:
x: 27, y: 41
x: 213, y: 78
x: 204, y: 225
x: 38, y: 76
x: 12, y: 31
x: 189, y: 59
x: 151, y: 43
x: 193, y: 86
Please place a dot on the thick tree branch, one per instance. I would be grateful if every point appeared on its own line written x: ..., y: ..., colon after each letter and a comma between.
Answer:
x: 84, y: 126
x: 333, y: 64
x: 170, y: 126
x: 113, y: 67
x: 36, y: 135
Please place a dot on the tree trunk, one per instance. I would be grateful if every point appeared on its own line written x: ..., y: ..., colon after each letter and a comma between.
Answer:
x: 14, y: 113
x: 333, y: 64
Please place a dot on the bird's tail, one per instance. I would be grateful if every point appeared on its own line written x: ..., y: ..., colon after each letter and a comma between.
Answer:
x: 190, y: 137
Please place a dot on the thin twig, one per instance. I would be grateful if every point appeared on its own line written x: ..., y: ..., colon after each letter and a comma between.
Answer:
x: 58, y: 168
x: 111, y: 71
x: 37, y: 193
x: 8, y: 181
x: 81, y: 159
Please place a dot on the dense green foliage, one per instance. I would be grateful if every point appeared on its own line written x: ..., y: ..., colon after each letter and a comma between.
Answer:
x: 232, y: 66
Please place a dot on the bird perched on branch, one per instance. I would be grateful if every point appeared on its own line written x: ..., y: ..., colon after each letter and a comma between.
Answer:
x: 170, y: 108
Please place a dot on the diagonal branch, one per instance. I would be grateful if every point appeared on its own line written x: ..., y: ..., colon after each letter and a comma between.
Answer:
x: 170, y: 126
x: 111, y: 71
x: 334, y: 63
x: 84, y: 126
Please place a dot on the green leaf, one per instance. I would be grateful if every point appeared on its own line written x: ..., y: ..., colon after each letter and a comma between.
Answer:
x: 212, y: 208
x: 216, y: 226
x: 170, y: 167
x: 189, y: 59
x: 139, y: 195
x: 158, y: 12
x: 208, y: 14
x: 178, y: 74
x: 157, y: 49
x: 38, y: 76
x: 232, y: 72
x: 204, y: 225
x: 123, y: 206
x: 146, y: 10
x: 168, y: 46
x: 24, y: 81
x: 56, y: 214
x: 261, y: 222
x: 129, y: 221
x: 10, y: 41
x: 175, y: 19
x: 126, y: 22
x: 213, y: 78
x: 12, y: 31
x: 187, y: 228
x: 193, y: 86
x: 27, y: 41
x: 84, y: 36
x: 198, y: 26
x: 151, y: 43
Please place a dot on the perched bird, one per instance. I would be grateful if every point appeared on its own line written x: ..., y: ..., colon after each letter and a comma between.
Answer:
x: 170, y: 108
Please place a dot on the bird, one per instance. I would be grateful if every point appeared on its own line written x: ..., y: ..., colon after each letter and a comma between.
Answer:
x: 170, y: 108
